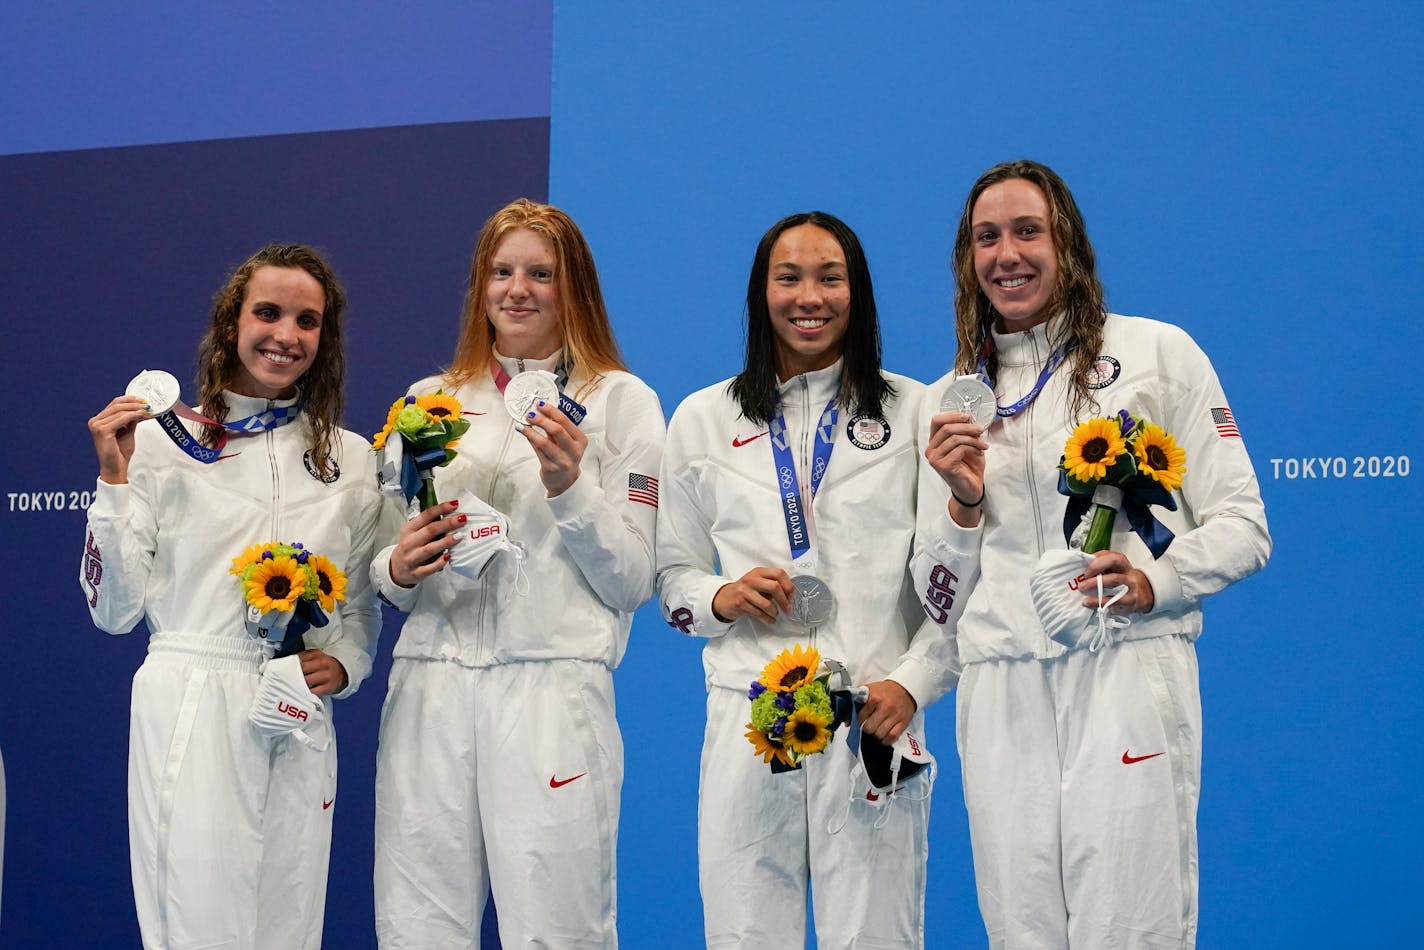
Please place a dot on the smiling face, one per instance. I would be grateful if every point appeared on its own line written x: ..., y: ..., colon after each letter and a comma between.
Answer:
x: 522, y: 297
x: 808, y: 299
x: 1015, y: 258
x: 278, y: 331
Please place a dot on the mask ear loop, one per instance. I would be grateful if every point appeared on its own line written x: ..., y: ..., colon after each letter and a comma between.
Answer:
x: 859, y: 694
x: 1105, y: 620
x: 521, y: 576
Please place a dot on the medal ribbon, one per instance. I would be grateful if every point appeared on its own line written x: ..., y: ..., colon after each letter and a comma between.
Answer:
x: 793, y: 507
x: 1054, y: 359
x: 573, y: 410
x: 270, y: 418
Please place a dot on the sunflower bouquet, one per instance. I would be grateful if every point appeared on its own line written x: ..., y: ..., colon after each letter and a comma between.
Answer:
x: 793, y: 709
x: 425, y: 430
x: 286, y: 590
x: 1119, y: 463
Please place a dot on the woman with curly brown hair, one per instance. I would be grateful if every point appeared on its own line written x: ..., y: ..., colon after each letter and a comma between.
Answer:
x: 230, y: 823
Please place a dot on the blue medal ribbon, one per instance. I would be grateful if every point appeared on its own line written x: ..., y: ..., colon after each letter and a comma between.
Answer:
x: 1054, y: 358
x: 1135, y: 504
x: 270, y: 418
x: 792, y: 504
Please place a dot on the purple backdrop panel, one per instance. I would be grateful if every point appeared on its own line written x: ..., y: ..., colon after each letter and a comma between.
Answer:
x: 113, y: 258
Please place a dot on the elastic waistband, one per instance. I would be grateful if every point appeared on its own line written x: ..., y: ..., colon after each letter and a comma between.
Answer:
x: 242, y: 655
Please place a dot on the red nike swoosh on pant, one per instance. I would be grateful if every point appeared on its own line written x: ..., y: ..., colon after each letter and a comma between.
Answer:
x: 1129, y: 759
x: 326, y: 805
x: 559, y: 783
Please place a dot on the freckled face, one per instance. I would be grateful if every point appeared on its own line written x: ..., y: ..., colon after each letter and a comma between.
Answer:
x: 808, y: 297
x: 1014, y: 255
x: 278, y: 331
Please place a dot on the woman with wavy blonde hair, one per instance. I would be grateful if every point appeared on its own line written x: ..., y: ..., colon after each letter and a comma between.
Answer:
x: 500, y: 761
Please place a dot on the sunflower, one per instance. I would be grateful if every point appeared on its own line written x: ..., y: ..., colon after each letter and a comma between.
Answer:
x: 379, y: 441
x: 807, y: 732
x: 440, y: 406
x: 1160, y: 457
x: 767, y: 747
x: 792, y: 669
x: 276, y: 584
x: 252, y: 555
x: 330, y: 582
x: 1093, y: 448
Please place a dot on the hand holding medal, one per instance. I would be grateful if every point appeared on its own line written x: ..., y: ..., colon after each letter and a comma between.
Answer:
x: 956, y: 449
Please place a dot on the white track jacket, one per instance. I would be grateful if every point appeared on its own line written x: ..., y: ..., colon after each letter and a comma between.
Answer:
x: 589, y: 550
x: 1153, y: 370
x: 722, y: 516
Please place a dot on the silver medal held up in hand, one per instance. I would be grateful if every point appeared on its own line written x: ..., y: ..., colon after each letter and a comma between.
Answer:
x: 973, y: 397
x: 157, y: 388
x: 812, y: 603
x: 527, y: 390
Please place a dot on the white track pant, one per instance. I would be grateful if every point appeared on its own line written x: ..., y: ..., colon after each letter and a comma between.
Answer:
x: 763, y: 838
x: 229, y: 832
x: 505, y: 778
x: 1081, y: 778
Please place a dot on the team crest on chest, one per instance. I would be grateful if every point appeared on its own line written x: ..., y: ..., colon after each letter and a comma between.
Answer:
x: 312, y: 469
x: 1104, y: 372
x: 868, y: 432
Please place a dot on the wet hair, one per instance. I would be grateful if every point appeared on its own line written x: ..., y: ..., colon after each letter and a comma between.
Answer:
x: 1079, y: 294
x: 863, y: 390
x: 323, y: 385
x: 587, y: 335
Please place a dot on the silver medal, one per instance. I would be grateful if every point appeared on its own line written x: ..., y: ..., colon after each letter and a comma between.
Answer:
x: 973, y: 397
x: 526, y: 391
x: 812, y: 603
x: 157, y: 388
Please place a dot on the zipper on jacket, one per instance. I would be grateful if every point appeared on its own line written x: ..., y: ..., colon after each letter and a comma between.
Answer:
x: 276, y: 483
x: 488, y: 496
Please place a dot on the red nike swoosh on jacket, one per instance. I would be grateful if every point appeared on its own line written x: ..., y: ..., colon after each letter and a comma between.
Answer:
x: 738, y: 442
x: 1129, y: 759
x: 558, y: 782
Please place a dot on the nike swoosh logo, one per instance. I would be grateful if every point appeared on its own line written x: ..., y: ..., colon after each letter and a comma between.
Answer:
x: 870, y: 796
x: 1129, y: 759
x: 560, y: 782
x: 738, y: 442
x: 326, y: 805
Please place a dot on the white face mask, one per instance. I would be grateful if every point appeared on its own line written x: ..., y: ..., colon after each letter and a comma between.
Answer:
x: 484, y: 536
x: 1058, y: 586
x: 284, y: 705
x: 882, y: 773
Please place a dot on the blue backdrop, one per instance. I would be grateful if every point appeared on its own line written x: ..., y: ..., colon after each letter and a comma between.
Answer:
x: 1252, y: 175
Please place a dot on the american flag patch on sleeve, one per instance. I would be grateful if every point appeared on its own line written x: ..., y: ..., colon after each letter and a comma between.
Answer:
x: 643, y: 489
x: 1225, y: 423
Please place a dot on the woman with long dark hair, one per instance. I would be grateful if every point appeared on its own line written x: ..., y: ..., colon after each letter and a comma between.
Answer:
x: 797, y: 476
